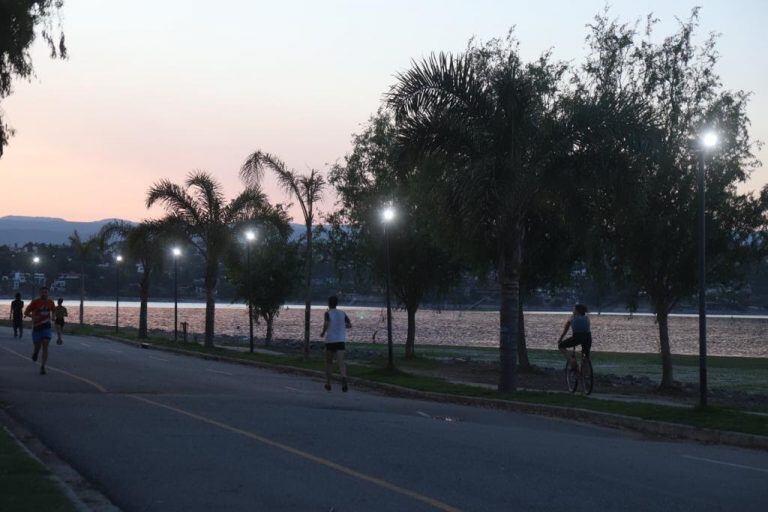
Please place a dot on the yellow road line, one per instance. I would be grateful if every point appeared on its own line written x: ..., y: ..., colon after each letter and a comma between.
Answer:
x: 439, y: 505
x: 64, y: 372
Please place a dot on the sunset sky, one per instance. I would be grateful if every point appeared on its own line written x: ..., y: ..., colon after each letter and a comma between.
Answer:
x: 154, y: 89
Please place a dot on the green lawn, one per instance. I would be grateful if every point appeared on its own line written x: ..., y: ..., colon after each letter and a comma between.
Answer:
x: 25, y: 485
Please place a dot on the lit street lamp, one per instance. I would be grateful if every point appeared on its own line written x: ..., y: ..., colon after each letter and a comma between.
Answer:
x: 176, y: 253
x: 250, y: 237
x: 708, y: 141
x: 387, y: 216
x: 35, y: 263
x: 118, y: 260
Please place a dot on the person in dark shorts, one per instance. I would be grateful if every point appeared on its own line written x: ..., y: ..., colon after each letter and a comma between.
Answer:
x: 17, y: 315
x: 581, y: 332
x: 60, y: 313
x: 41, y: 311
x: 336, y: 323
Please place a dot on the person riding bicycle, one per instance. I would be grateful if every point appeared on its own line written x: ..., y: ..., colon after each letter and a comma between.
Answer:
x: 582, y: 333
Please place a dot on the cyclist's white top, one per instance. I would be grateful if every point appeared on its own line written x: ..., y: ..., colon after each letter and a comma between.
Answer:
x: 337, y: 328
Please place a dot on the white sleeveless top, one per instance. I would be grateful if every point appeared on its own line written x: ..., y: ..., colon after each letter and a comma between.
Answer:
x: 337, y: 328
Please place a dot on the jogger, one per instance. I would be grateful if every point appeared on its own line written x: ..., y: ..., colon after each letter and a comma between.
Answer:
x: 41, y: 310
x: 335, y: 324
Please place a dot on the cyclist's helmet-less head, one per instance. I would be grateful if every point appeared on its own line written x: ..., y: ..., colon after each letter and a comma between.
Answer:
x: 580, y: 309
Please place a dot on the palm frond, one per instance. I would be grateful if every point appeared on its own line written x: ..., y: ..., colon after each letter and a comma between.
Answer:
x: 176, y: 201
x: 248, y: 204
x: 209, y: 192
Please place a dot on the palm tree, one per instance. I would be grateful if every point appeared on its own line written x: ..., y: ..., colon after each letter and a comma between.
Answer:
x: 307, y: 189
x: 144, y: 243
x: 491, y: 117
x: 84, y: 251
x: 206, y: 219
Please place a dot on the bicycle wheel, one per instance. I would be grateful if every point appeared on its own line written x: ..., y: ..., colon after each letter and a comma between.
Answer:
x: 571, y: 376
x: 587, y: 377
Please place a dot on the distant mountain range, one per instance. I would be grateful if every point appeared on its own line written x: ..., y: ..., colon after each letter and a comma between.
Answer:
x: 16, y: 229
x: 19, y: 230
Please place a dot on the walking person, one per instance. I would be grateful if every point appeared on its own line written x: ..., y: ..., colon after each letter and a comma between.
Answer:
x: 41, y: 311
x: 336, y: 323
x: 60, y: 314
x: 17, y: 315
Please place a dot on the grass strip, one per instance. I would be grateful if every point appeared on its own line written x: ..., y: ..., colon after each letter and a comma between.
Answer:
x: 25, y: 484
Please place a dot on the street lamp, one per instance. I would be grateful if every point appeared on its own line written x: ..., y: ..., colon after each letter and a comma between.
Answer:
x: 118, y: 260
x: 250, y: 237
x: 176, y: 254
x: 35, y: 263
x: 708, y: 141
x: 387, y: 216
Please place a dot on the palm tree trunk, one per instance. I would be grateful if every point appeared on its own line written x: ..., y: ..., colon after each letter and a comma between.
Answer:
x: 662, y: 317
x: 522, y: 349
x: 270, y: 322
x: 509, y: 334
x: 308, y: 290
x: 211, y: 279
x: 410, y: 340
x: 144, y: 298
x: 82, y: 293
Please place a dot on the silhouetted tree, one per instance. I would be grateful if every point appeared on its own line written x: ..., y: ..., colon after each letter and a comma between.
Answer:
x: 84, y: 250
x: 206, y: 219
x: 20, y: 21
x: 307, y: 190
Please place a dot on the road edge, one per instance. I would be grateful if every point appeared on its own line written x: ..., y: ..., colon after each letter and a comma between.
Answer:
x: 80, y: 492
x: 663, y: 429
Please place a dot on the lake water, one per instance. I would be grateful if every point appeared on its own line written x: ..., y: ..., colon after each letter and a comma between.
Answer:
x: 727, y: 335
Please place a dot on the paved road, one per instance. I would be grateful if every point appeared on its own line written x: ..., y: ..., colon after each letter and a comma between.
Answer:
x: 159, y: 432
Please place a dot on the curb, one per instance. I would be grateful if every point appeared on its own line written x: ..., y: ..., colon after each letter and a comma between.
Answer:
x: 649, y: 427
x: 83, y: 496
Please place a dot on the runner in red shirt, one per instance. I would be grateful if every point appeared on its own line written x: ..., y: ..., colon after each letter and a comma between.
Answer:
x: 41, y: 311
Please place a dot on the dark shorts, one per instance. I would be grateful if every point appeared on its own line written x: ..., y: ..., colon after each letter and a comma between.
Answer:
x: 60, y: 322
x: 580, y: 338
x: 39, y: 335
x: 335, y: 346
x: 18, y: 322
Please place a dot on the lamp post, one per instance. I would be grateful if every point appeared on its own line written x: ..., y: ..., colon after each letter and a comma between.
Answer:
x: 35, y: 263
x: 118, y: 260
x: 176, y: 253
x: 387, y: 216
x: 250, y: 237
x: 708, y: 141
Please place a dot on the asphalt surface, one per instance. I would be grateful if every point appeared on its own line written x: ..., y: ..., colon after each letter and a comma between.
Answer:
x: 160, y: 432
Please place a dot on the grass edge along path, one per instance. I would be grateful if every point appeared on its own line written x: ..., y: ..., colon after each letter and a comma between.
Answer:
x: 714, y: 418
x: 26, y: 485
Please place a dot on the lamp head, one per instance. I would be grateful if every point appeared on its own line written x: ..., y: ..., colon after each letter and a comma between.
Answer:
x: 36, y: 259
x: 176, y: 252
x: 388, y: 214
x: 709, y: 139
x: 118, y: 258
x: 250, y: 235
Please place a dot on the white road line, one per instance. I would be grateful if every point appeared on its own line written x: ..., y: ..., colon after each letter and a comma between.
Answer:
x: 158, y: 358
x: 217, y: 371
x: 84, y: 344
x: 741, y: 466
x: 116, y: 351
x: 292, y: 389
x: 423, y: 414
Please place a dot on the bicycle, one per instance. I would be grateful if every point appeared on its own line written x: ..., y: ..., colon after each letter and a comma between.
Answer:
x: 575, y: 372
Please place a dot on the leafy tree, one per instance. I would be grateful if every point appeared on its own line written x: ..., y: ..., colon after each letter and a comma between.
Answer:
x: 85, y: 251
x: 145, y: 243
x: 274, y: 271
x: 19, y: 20
x: 639, y: 110
x: 307, y: 190
x: 206, y: 219
x: 492, y: 118
x: 368, y: 178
